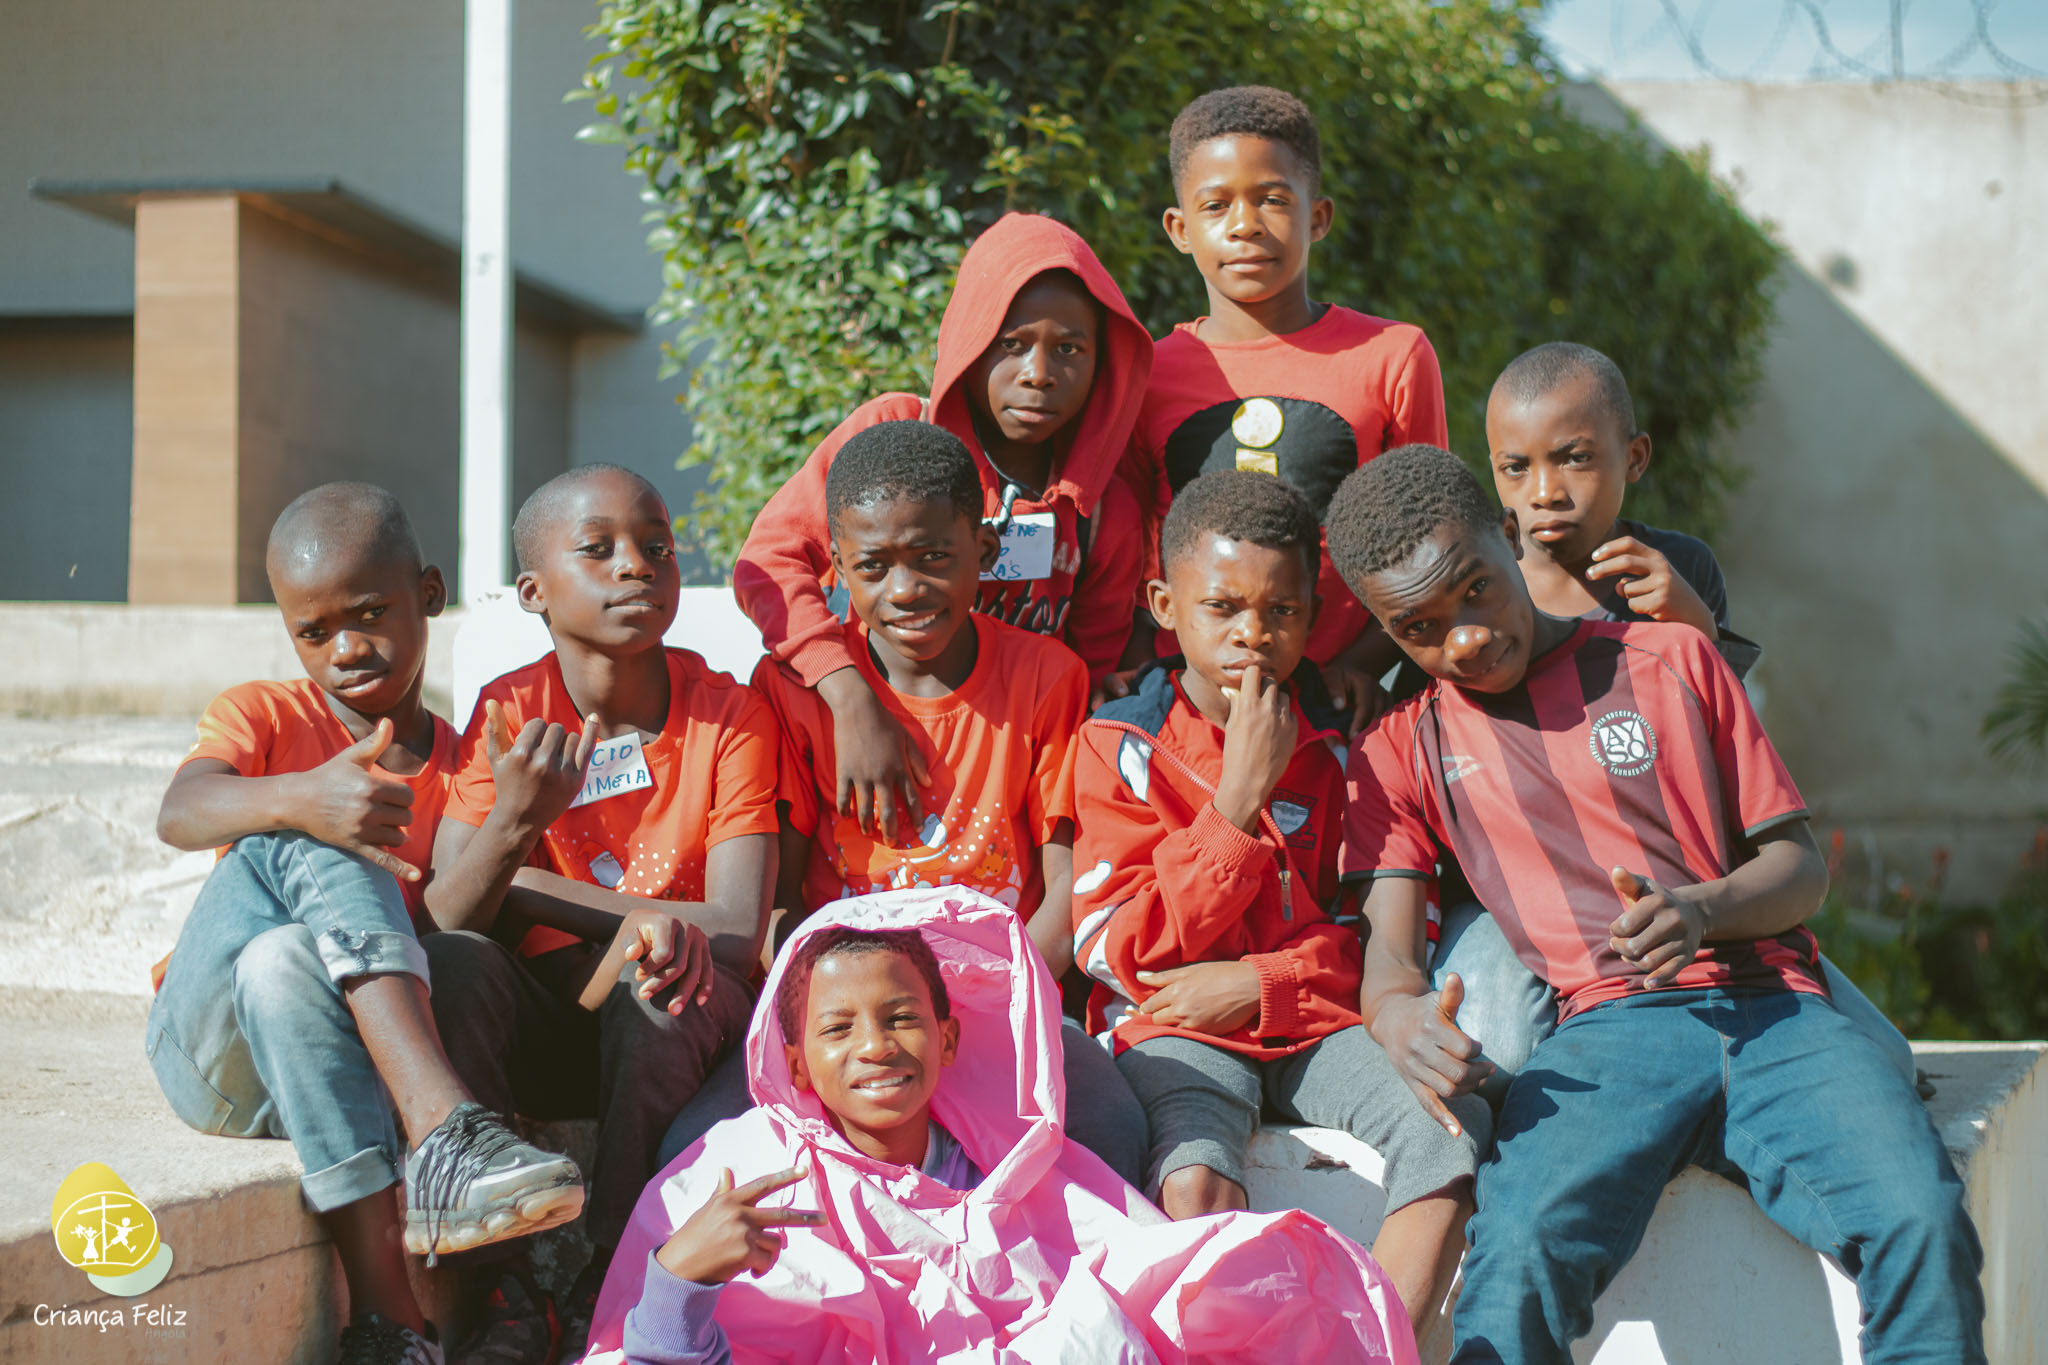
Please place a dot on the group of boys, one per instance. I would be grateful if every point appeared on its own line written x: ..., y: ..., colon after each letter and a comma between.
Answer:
x: 1617, y: 983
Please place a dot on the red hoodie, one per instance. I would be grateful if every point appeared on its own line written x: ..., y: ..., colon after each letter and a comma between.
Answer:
x: 1162, y: 880
x: 783, y: 568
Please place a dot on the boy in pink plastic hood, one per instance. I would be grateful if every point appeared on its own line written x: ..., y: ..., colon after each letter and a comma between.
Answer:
x: 904, y: 1189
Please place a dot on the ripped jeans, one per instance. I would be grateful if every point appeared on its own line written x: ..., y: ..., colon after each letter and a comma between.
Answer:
x: 251, y: 1035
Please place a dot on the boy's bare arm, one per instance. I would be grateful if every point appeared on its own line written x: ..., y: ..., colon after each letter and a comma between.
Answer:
x: 1417, y: 1028
x: 1051, y: 927
x: 345, y: 802
x: 1778, y: 889
x: 733, y: 915
x: 880, y: 768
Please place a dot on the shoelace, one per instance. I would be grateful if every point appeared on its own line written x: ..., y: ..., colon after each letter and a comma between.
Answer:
x: 478, y: 1137
x: 379, y: 1342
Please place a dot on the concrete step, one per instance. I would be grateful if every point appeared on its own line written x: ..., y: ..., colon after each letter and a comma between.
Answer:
x: 254, y: 1277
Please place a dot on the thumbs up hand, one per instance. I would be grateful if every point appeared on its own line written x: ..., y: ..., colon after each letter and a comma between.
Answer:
x: 350, y: 802
x: 1659, y: 930
x: 1437, y: 1059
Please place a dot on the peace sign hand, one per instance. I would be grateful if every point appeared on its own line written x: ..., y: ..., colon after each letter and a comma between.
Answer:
x: 732, y: 1233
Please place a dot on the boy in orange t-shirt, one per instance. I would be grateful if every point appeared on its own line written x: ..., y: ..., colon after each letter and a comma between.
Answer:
x: 992, y: 709
x: 297, y: 994
x: 636, y: 804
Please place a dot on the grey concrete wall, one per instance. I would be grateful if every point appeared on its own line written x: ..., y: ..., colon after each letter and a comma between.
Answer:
x: 370, y: 92
x: 67, y: 421
x: 1893, y: 532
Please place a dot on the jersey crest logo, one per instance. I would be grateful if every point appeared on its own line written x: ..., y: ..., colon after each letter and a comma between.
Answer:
x: 1294, y: 813
x: 1623, y: 743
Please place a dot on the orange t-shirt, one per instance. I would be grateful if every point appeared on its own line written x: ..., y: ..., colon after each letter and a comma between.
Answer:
x: 1001, y: 753
x: 262, y: 729
x: 713, y: 771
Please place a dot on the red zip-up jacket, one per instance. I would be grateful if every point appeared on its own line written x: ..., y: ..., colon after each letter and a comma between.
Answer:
x: 1162, y: 880
x: 1099, y: 546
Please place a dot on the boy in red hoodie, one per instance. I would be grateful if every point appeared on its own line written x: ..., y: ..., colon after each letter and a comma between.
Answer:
x: 1270, y: 379
x: 1209, y: 812
x: 1041, y: 367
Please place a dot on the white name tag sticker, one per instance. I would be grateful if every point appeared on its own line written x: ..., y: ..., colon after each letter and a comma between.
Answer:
x: 1027, y: 549
x: 616, y: 767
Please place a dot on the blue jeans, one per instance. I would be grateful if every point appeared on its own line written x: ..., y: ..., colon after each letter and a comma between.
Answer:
x: 1102, y: 1113
x: 1776, y: 1090
x: 1508, y: 1009
x: 251, y: 1035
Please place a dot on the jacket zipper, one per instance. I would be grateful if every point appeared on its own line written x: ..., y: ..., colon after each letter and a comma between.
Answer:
x: 1266, y: 820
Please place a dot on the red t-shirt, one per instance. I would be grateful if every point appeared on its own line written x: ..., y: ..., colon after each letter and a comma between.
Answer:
x: 262, y: 729
x: 1629, y: 745
x: 713, y: 771
x: 1310, y: 406
x: 1000, y: 751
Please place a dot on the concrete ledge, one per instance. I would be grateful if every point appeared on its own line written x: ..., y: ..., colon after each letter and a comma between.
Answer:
x: 1715, y: 1280
x: 253, y: 1272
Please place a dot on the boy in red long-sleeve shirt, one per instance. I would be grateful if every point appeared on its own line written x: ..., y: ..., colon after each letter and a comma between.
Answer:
x: 1041, y: 366
x: 1209, y: 815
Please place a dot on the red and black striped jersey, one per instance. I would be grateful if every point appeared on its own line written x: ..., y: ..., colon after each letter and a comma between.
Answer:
x: 1629, y: 745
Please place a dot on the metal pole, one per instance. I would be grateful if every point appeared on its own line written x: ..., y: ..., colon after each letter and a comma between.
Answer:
x: 486, y: 482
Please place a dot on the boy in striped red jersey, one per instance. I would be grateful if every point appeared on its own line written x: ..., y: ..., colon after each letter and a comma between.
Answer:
x: 1618, y: 809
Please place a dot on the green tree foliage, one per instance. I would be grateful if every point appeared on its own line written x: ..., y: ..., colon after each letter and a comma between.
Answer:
x: 817, y: 167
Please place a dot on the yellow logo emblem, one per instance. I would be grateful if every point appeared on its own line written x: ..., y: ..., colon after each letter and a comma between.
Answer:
x: 1258, y: 423
x: 104, y: 1230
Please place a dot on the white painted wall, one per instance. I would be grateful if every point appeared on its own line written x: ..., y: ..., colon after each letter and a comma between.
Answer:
x: 1893, y: 533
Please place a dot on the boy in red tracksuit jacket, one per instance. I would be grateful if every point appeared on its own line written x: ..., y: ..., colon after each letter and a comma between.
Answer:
x: 1209, y: 811
x: 1040, y: 371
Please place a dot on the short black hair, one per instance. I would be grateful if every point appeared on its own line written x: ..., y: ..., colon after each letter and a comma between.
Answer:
x: 1252, y: 111
x: 1242, y: 504
x: 794, y: 991
x: 537, y: 514
x: 1540, y: 369
x: 902, y: 461
x: 354, y: 519
x: 1386, y: 508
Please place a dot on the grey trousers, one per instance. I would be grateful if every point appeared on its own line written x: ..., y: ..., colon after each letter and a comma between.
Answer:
x: 1204, y: 1102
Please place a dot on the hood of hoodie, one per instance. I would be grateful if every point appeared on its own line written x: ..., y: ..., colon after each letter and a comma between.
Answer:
x: 994, y: 271
x: 999, y: 1091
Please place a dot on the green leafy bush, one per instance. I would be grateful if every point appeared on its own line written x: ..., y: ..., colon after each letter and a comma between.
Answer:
x: 817, y: 168
x: 1948, y: 971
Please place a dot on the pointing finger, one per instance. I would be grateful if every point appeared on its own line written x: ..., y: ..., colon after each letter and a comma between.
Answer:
x: 390, y: 862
